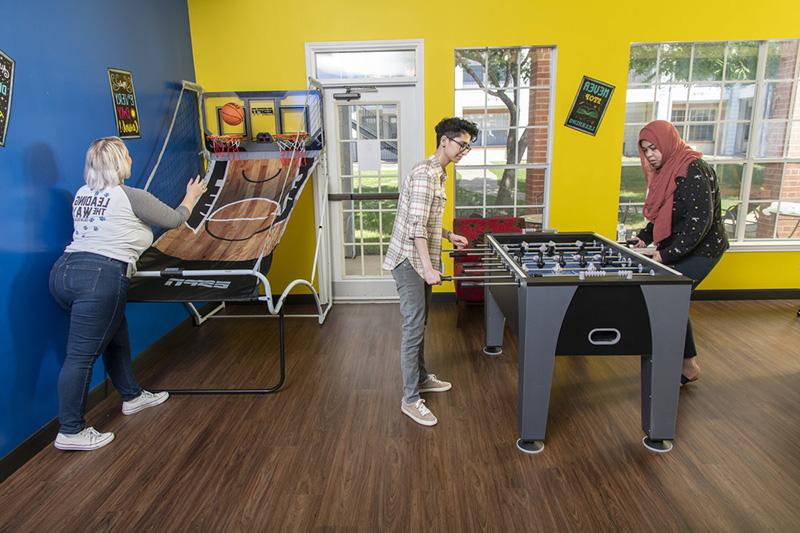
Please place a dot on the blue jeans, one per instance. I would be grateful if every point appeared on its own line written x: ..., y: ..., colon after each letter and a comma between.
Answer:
x: 94, y: 289
x: 695, y: 267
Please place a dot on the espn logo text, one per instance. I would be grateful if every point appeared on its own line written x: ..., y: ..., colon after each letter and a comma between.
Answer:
x: 205, y: 283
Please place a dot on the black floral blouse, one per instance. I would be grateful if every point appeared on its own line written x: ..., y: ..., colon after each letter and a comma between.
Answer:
x: 697, y: 228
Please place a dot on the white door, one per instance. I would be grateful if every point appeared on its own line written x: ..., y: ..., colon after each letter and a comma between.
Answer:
x: 372, y: 142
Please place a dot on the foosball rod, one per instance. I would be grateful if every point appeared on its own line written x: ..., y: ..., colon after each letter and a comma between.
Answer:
x: 489, y: 283
x: 585, y: 269
x: 473, y: 249
x: 462, y: 253
x: 481, y: 265
x: 470, y: 278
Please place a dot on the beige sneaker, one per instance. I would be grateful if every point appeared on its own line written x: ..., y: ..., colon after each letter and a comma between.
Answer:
x: 418, y: 412
x: 434, y: 384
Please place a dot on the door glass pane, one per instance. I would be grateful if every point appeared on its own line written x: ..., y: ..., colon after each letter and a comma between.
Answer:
x: 347, y: 123
x: 372, y: 260
x: 360, y: 65
x: 387, y: 223
x: 389, y: 154
x: 370, y: 229
x: 388, y: 122
x: 352, y: 261
x: 367, y: 224
x: 348, y: 164
x: 368, y: 122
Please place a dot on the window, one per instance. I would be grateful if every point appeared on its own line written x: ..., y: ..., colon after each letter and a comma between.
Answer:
x: 356, y: 65
x: 716, y: 94
x: 507, y: 92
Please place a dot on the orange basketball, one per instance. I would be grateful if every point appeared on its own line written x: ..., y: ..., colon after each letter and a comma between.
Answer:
x: 232, y: 114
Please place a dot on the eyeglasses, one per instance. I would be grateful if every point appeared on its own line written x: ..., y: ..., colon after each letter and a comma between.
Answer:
x: 465, y: 147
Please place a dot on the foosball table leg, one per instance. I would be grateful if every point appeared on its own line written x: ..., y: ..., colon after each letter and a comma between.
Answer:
x: 495, y: 323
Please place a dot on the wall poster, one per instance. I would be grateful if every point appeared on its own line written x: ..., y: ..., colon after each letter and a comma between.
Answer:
x: 122, y: 93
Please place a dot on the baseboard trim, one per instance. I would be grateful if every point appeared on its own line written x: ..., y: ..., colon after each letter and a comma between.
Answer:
x: 747, y: 294
x: 727, y: 294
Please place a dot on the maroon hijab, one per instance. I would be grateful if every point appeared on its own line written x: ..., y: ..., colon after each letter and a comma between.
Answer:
x: 676, y: 157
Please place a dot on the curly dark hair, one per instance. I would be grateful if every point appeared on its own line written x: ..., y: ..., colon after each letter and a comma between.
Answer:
x: 454, y: 126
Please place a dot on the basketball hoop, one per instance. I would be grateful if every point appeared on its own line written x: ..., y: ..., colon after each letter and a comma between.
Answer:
x: 226, y: 146
x: 292, y: 147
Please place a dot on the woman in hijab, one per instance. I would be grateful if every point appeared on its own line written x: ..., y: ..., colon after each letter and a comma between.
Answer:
x: 684, y: 214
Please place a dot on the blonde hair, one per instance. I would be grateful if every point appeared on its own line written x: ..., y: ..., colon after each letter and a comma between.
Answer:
x: 106, y: 163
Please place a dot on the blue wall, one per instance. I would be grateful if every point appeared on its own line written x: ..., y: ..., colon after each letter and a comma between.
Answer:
x: 61, y: 103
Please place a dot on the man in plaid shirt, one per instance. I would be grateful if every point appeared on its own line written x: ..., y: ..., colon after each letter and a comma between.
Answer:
x: 414, y: 257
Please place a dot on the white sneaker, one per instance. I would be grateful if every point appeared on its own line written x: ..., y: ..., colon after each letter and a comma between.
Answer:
x: 143, y: 401
x: 418, y: 412
x: 85, y: 440
x: 434, y: 384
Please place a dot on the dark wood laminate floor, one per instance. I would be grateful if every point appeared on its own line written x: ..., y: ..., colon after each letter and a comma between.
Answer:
x: 332, y: 451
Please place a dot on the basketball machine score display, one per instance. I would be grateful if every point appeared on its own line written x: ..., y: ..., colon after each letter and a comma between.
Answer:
x: 124, y: 98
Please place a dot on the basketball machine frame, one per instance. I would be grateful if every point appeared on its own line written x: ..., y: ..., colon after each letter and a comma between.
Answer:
x: 314, y: 146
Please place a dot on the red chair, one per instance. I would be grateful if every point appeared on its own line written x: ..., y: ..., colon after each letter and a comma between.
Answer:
x: 474, y: 229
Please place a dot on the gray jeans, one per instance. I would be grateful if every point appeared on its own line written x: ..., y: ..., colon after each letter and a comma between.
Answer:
x: 415, y: 298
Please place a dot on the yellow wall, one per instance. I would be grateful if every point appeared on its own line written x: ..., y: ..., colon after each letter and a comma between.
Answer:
x: 266, y: 52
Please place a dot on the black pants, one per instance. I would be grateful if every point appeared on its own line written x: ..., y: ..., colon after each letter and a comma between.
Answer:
x: 697, y: 268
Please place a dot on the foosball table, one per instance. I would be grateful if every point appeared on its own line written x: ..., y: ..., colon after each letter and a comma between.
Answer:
x: 583, y: 294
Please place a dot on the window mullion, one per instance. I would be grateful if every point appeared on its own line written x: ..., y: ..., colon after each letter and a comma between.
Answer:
x: 778, y: 207
x: 656, y: 84
x: 792, y: 102
x: 755, y: 132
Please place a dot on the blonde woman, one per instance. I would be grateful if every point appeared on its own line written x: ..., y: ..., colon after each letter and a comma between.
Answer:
x: 90, y: 280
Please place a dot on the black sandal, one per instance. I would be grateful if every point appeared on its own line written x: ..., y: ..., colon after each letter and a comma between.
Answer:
x: 685, y: 380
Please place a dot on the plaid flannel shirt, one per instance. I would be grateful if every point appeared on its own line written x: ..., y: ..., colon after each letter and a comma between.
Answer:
x: 419, y: 214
